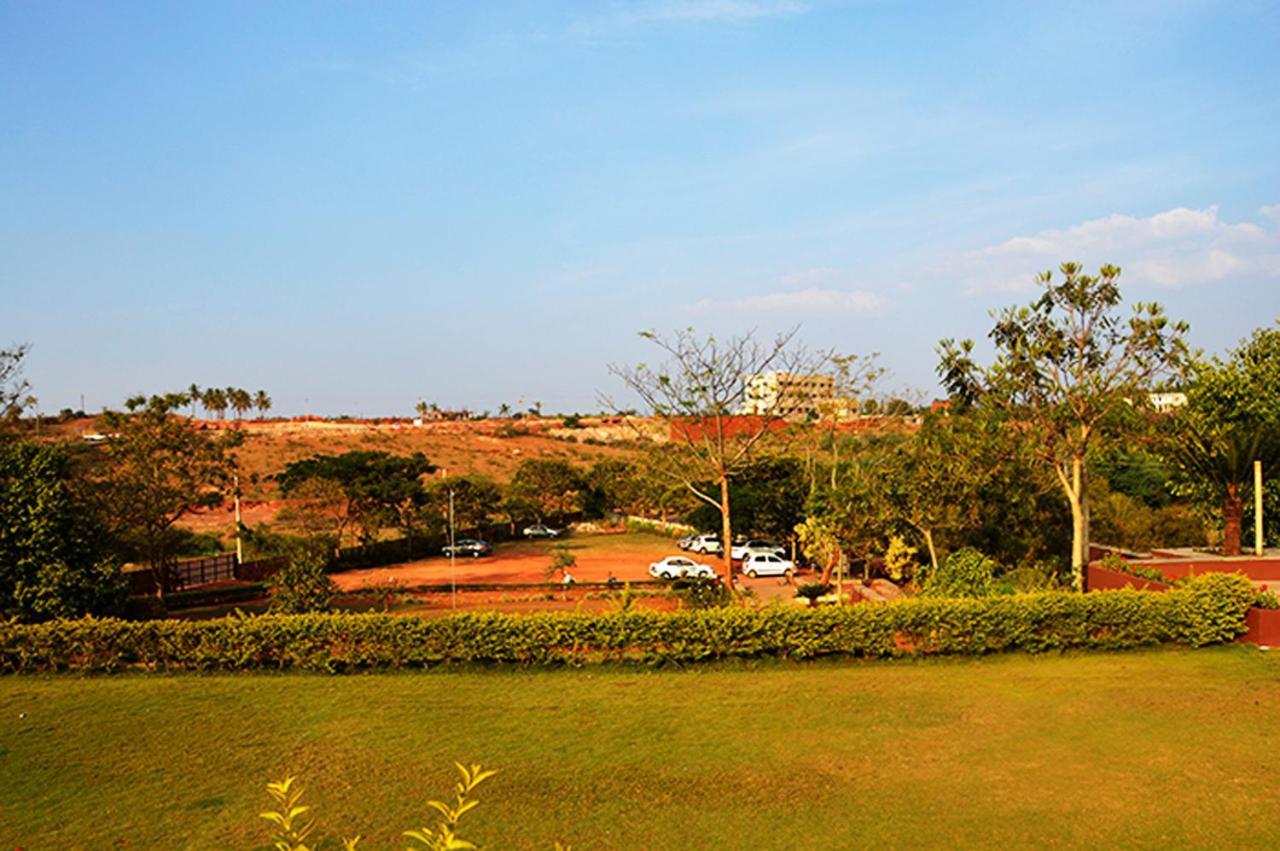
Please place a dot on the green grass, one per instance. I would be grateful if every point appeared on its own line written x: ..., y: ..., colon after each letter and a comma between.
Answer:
x: 1156, y: 749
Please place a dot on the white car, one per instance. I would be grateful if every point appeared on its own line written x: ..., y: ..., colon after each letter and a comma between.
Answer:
x: 679, y: 567
x: 539, y: 530
x: 705, y: 544
x: 756, y: 545
x: 685, y: 542
x: 767, y: 564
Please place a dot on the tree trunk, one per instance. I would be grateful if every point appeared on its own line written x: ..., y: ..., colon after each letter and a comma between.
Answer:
x: 727, y: 532
x: 933, y: 552
x: 1232, y: 516
x: 1079, y: 525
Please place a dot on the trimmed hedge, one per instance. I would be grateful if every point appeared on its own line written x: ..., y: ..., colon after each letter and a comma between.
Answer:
x: 1208, y: 610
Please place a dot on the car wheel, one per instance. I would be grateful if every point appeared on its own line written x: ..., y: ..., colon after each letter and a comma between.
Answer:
x: 787, y: 573
x: 666, y: 575
x: 752, y: 574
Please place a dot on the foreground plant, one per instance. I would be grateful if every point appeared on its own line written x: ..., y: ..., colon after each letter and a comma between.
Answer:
x: 292, y: 827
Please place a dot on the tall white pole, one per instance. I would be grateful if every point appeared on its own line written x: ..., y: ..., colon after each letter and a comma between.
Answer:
x: 1257, y: 508
x: 453, y: 558
x: 239, y: 543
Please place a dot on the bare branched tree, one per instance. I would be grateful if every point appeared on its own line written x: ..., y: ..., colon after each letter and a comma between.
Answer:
x: 702, y: 394
x: 14, y: 389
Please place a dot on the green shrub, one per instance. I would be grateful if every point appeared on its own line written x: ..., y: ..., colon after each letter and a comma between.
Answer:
x: 811, y: 591
x: 963, y: 573
x: 302, y: 585
x: 1267, y: 599
x: 1209, y: 609
x: 702, y: 592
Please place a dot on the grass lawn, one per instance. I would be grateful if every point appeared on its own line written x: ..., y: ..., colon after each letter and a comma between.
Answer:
x: 1165, y: 748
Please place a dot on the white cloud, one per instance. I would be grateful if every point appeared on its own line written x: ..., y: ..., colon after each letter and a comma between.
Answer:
x: 1176, y: 248
x: 690, y: 12
x: 811, y: 291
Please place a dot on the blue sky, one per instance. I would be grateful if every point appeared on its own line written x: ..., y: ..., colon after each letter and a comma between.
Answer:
x: 359, y: 205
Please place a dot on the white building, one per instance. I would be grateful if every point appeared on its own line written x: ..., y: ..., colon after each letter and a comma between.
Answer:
x: 786, y: 394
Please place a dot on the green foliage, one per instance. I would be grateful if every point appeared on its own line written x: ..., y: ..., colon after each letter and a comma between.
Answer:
x: 766, y: 498
x: 444, y: 835
x: 811, y: 591
x: 1113, y: 562
x: 380, y: 489
x: 1072, y: 373
x: 1208, y: 609
x: 900, y: 559
x: 702, y: 592
x: 55, y: 557
x: 14, y: 389
x: 1131, y: 523
x: 159, y: 467
x: 1267, y: 599
x: 964, y: 573
x: 547, y: 489
x: 561, y: 560
x: 1033, y: 578
x: 302, y: 585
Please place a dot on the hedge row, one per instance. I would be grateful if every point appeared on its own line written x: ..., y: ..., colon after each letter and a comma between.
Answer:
x: 1210, y: 609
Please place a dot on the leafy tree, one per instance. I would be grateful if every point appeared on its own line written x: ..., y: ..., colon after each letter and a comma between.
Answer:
x: 548, y: 488
x: 193, y: 396
x: 698, y: 394
x: 768, y: 498
x: 1231, y: 420
x: 934, y: 481
x: 14, y: 389
x: 156, y: 469
x: 55, y: 556
x: 380, y: 490
x: 262, y: 402
x: 1070, y: 373
x: 854, y: 378
x: 316, y: 511
x: 475, y: 500
x: 634, y: 487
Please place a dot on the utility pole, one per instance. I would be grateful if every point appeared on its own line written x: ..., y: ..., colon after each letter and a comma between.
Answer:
x: 239, y: 543
x: 1257, y: 508
x: 453, y: 557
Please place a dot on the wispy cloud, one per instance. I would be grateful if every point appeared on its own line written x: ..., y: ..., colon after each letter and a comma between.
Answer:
x: 1175, y: 248
x: 808, y: 291
x: 637, y: 15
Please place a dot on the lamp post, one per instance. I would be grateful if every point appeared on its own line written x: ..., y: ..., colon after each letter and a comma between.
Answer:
x: 453, y: 558
x: 1257, y: 508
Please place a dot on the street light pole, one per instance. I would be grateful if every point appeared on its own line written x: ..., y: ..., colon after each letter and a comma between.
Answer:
x: 453, y: 557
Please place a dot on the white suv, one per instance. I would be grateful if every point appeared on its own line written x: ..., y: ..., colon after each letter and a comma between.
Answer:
x: 706, y: 544
x: 767, y: 564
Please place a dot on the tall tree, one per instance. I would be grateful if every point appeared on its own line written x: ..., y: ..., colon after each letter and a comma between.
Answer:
x: 262, y: 402
x: 193, y: 395
x: 698, y: 394
x: 14, y: 389
x: 1231, y: 420
x: 241, y: 400
x: 215, y: 401
x: 548, y: 488
x: 158, y: 468
x: 1070, y: 372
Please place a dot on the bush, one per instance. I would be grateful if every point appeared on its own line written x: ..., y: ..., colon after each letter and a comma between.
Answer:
x: 302, y: 584
x: 811, y: 591
x: 1207, y: 610
x: 964, y: 573
x: 702, y: 592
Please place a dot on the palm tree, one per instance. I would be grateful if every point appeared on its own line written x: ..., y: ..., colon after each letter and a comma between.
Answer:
x: 193, y: 393
x: 504, y: 410
x: 262, y: 402
x: 1223, y: 464
x: 215, y: 401
x: 422, y: 408
x: 241, y: 400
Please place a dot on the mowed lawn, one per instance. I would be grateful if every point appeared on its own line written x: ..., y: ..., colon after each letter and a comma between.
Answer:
x: 1166, y: 748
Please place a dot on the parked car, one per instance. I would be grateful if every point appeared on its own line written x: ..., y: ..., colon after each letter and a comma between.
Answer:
x: 539, y: 530
x: 680, y: 567
x: 473, y: 547
x: 767, y: 564
x: 751, y: 546
x: 687, y: 541
x: 705, y: 544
